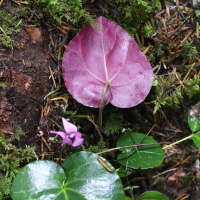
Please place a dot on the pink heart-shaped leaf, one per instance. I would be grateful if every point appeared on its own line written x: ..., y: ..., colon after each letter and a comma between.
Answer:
x: 108, y: 55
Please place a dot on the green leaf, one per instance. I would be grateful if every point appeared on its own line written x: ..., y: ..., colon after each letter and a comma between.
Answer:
x: 39, y: 180
x: 194, y: 118
x: 128, y: 198
x: 194, y: 124
x: 83, y: 178
x: 2, y: 84
x: 151, y: 155
x: 196, y: 140
x: 86, y: 175
x: 152, y: 195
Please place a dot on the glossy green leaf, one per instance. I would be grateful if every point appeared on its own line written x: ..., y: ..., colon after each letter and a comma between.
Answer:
x: 194, y: 118
x: 128, y: 198
x: 39, y: 180
x: 151, y: 155
x: 83, y: 178
x: 152, y: 195
x: 87, y: 176
x: 121, y: 171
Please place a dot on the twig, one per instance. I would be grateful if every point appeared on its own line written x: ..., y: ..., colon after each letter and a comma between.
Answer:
x: 147, y: 134
x: 174, y: 31
x: 187, y: 75
x: 164, y: 172
x: 179, y: 141
x: 136, y: 149
x: 166, y: 119
x: 134, y: 145
x: 97, y: 128
x: 52, y: 77
x: 46, y: 143
x: 189, y: 33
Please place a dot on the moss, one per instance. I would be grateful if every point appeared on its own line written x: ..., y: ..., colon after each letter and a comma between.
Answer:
x: 70, y: 10
x: 8, y: 24
x: 10, y: 159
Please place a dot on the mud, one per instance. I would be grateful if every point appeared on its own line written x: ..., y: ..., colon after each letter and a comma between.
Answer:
x: 25, y: 69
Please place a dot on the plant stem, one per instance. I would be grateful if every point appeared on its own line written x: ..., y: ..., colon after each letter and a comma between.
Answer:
x: 101, y: 104
x: 131, y: 190
x: 190, y: 136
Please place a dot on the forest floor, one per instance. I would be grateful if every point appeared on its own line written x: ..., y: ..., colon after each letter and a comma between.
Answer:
x: 34, y: 101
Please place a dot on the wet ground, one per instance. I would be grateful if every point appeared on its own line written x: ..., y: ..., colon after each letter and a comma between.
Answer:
x: 26, y: 70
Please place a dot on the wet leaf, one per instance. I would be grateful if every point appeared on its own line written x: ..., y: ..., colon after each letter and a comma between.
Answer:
x: 85, y: 174
x: 39, y: 180
x: 108, y: 56
x: 151, y: 155
x: 83, y: 178
x: 152, y: 195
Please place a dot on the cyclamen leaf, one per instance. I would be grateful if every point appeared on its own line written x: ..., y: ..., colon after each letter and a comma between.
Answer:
x: 150, y: 155
x: 108, y: 56
x: 82, y: 177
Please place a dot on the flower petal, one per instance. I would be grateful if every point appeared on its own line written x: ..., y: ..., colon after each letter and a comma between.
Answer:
x: 72, y: 135
x: 78, y: 134
x: 77, y: 142
x: 60, y: 133
x: 69, y: 127
x: 66, y: 140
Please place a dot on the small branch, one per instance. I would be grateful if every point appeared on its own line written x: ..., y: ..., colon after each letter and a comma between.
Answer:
x: 134, y: 145
x: 179, y: 141
x: 97, y: 128
x: 174, y: 169
x: 187, y: 75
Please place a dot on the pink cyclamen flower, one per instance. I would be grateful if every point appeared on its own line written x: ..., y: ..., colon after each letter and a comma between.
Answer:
x: 71, y: 136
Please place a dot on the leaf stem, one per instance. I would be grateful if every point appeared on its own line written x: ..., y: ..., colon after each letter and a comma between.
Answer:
x: 188, y: 137
x: 101, y: 104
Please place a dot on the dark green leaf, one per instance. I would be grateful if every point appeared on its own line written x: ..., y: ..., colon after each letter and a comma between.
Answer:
x: 86, y: 175
x: 83, y: 178
x: 151, y: 155
x: 152, y: 195
x: 39, y: 180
